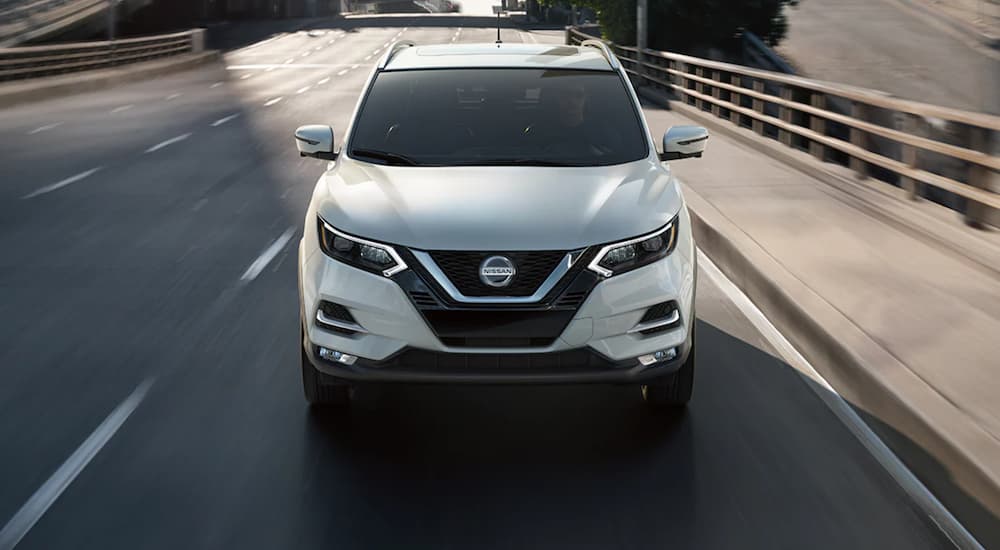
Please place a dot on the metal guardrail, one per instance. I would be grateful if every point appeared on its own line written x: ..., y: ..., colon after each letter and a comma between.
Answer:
x: 750, y: 98
x: 34, y: 61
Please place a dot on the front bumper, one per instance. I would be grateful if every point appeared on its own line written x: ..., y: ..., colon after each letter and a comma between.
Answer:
x: 595, y: 346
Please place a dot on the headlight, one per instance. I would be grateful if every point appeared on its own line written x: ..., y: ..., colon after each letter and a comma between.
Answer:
x: 371, y: 256
x: 627, y: 255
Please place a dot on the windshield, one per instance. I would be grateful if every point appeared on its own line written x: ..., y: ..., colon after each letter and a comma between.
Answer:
x: 500, y: 117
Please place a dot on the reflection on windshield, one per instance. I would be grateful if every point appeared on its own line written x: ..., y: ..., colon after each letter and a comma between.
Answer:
x: 461, y: 117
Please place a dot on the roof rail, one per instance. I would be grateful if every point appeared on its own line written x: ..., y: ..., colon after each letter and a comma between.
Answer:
x: 603, y: 46
x: 393, y: 50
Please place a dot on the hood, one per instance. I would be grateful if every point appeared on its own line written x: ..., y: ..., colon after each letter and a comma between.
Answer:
x: 494, y: 208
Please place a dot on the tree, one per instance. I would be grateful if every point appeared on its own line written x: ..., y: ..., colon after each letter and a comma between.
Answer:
x: 684, y: 25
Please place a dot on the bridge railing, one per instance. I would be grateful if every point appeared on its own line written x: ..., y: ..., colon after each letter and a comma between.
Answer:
x: 34, y: 61
x: 894, y: 139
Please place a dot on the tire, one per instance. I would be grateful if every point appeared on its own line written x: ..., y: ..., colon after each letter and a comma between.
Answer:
x: 322, y: 390
x: 673, y: 391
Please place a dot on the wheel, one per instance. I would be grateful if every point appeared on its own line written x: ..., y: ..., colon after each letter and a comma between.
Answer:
x: 674, y: 390
x: 322, y: 390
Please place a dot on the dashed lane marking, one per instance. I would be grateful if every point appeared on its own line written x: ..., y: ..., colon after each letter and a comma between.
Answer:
x: 49, y: 492
x: 168, y: 142
x: 224, y: 120
x: 273, y: 101
x: 122, y: 108
x: 267, y: 255
x: 63, y: 183
x: 342, y: 73
x: 303, y: 89
x: 45, y: 128
x: 324, y: 81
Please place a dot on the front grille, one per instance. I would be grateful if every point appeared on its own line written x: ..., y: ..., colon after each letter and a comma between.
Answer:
x: 423, y: 299
x: 572, y: 299
x: 462, y: 269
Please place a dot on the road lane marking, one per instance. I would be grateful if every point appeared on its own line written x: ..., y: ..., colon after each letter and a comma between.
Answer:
x: 906, y: 479
x: 306, y: 54
x: 224, y: 120
x: 45, y: 128
x: 273, y: 101
x: 355, y: 66
x: 386, y: 45
x: 289, y: 61
x: 284, y: 66
x: 46, y: 495
x: 367, y: 57
x: 267, y: 255
x: 324, y: 81
x: 269, y: 69
x: 216, y: 85
x: 332, y: 41
x: 170, y: 141
x: 122, y: 108
x: 246, y: 76
x: 173, y: 96
x: 63, y: 183
x: 303, y: 89
x: 342, y: 73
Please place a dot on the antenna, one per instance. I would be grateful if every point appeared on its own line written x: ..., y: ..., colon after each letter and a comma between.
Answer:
x: 498, y: 10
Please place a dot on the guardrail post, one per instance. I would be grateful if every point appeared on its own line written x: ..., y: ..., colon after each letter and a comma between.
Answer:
x: 717, y: 94
x: 569, y: 36
x: 698, y: 87
x: 758, y: 107
x: 682, y: 81
x: 785, y: 113
x: 817, y: 124
x: 735, y: 99
x: 908, y: 155
x: 978, y: 214
x: 197, y: 40
x: 859, y: 139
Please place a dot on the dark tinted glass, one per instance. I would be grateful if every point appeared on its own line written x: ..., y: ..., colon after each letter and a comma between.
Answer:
x: 498, y: 117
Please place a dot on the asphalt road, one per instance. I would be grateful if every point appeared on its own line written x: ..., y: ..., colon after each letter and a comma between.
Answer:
x: 136, y: 274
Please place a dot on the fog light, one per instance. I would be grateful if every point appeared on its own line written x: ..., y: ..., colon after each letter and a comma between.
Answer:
x: 336, y: 356
x: 658, y: 356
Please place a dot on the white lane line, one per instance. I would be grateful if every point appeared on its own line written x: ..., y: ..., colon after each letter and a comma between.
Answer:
x: 331, y: 42
x: 45, y: 128
x: 63, y: 183
x: 367, y: 57
x: 317, y: 48
x: 172, y: 97
x: 833, y: 400
x: 122, y: 108
x: 306, y: 54
x: 355, y: 66
x: 386, y: 45
x: 216, y: 85
x: 267, y: 255
x: 273, y: 101
x: 324, y: 81
x: 224, y: 120
x: 269, y: 69
x: 303, y: 89
x: 284, y: 66
x: 170, y: 141
x: 289, y: 61
x: 46, y: 495
x: 246, y: 76
x: 342, y: 73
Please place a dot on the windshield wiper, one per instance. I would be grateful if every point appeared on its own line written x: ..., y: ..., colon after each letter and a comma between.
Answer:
x: 389, y: 158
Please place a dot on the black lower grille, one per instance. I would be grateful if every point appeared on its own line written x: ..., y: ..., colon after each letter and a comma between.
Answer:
x: 469, y: 363
x: 462, y: 269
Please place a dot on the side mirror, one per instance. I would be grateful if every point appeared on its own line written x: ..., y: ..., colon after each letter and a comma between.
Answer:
x: 315, y: 141
x: 681, y: 142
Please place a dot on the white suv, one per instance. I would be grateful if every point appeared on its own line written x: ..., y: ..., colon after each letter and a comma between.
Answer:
x: 498, y: 213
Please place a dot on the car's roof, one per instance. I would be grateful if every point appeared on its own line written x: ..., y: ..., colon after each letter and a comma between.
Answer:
x: 544, y: 56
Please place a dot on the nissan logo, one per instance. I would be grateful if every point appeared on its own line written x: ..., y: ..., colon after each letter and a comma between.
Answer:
x: 497, y: 271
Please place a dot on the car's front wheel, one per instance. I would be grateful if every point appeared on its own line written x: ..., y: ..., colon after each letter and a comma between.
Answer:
x: 673, y: 391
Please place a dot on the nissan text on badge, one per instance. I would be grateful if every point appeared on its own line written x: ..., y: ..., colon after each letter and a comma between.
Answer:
x: 498, y: 213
